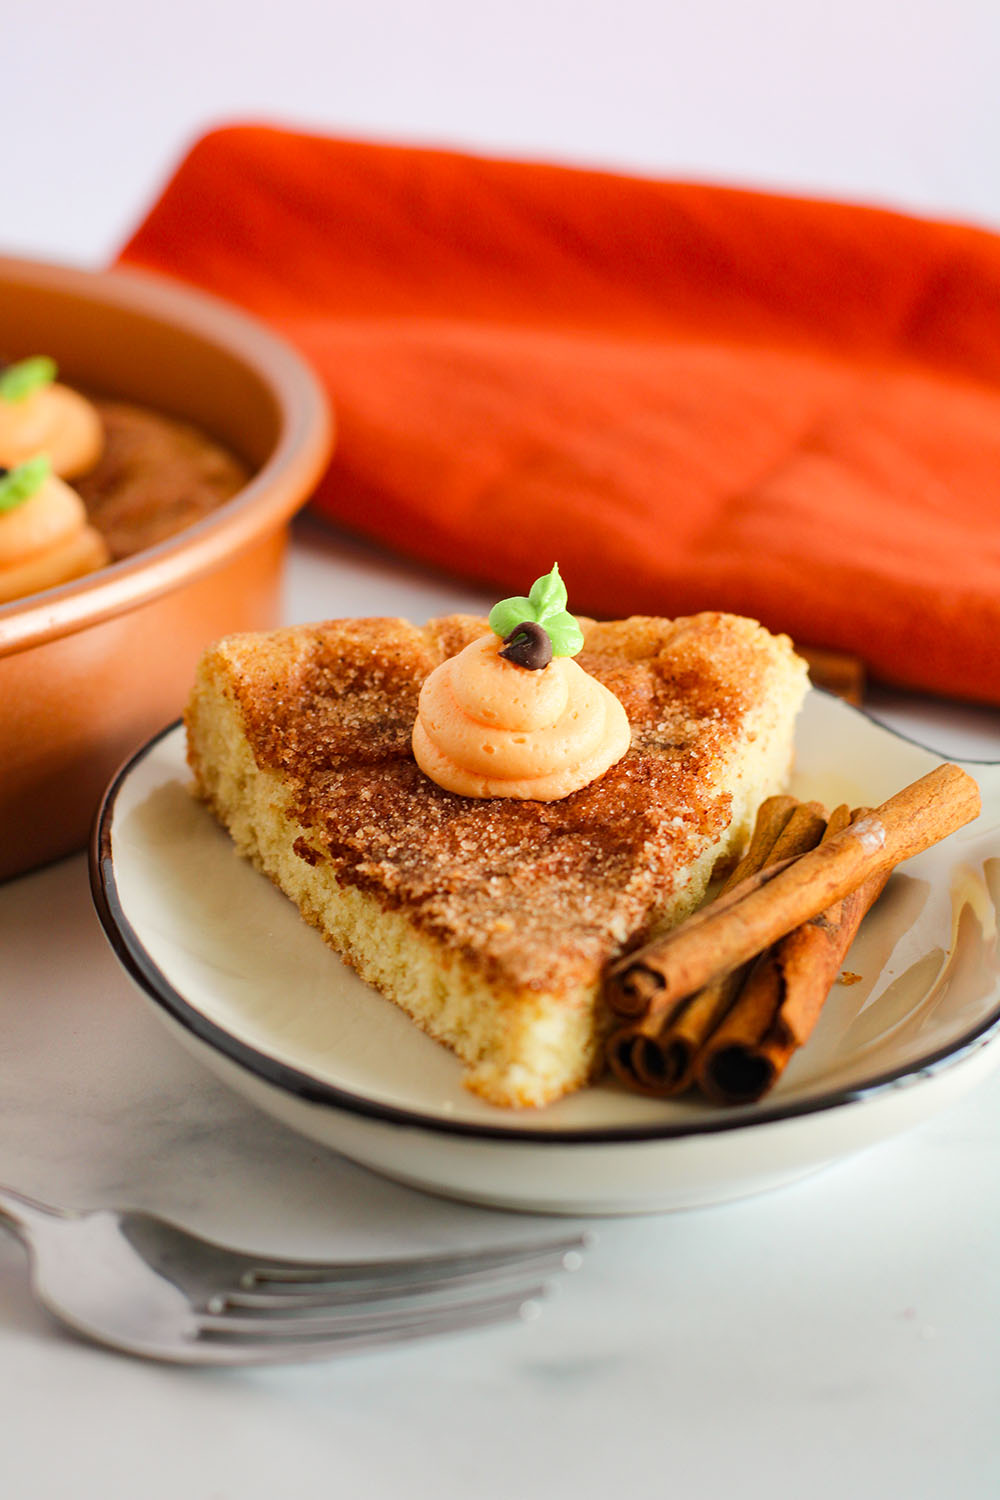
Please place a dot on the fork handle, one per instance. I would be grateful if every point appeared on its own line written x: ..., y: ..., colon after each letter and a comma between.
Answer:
x: 19, y: 1213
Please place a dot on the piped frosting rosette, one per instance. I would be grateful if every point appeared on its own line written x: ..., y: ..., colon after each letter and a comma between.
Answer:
x: 38, y: 415
x: 45, y: 537
x: 490, y: 727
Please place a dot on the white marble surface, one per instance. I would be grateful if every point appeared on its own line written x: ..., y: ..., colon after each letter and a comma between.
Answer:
x: 838, y: 1337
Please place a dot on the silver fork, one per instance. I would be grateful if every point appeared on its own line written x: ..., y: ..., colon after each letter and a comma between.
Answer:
x: 143, y: 1285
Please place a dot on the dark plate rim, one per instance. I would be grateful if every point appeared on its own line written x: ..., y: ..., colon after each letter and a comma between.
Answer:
x: 138, y: 963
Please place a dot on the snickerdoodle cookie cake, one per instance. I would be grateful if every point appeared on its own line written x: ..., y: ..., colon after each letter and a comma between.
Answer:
x: 480, y: 816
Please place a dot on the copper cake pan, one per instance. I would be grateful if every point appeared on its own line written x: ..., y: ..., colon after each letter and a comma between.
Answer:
x: 92, y: 668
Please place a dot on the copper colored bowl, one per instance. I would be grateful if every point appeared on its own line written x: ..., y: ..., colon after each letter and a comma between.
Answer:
x: 92, y: 668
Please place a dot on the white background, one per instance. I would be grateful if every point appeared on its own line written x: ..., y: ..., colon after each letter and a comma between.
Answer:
x: 839, y: 1337
x: 889, y: 101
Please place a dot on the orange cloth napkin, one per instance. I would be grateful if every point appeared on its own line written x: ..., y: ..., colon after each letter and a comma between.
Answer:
x: 692, y: 397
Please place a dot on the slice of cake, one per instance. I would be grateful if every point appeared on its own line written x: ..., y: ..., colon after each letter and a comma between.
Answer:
x: 490, y: 919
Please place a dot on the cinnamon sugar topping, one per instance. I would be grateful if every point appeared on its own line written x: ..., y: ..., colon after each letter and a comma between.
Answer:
x: 332, y: 707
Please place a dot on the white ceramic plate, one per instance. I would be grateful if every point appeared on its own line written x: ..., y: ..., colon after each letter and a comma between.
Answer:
x: 234, y: 971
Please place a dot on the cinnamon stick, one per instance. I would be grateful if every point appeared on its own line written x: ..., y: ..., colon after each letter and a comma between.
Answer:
x: 770, y: 822
x: 657, y: 1057
x: 772, y: 816
x: 717, y: 940
x: 836, y: 672
x: 781, y: 1001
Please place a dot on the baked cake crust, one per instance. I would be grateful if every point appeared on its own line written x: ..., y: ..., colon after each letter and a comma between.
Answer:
x: 491, y: 920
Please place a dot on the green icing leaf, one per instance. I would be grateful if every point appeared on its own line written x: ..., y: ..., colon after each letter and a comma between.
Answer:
x: 564, y: 633
x: 548, y: 595
x: 19, y: 381
x: 508, y: 613
x: 18, y: 485
x: 546, y: 605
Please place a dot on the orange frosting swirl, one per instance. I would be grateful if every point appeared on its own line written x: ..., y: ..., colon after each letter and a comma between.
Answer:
x: 47, y: 540
x: 489, y: 728
x: 53, y: 420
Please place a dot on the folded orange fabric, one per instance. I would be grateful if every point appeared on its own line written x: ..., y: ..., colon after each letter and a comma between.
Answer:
x: 693, y: 397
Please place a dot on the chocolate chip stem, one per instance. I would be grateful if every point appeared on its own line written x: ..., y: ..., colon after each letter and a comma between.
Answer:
x: 528, y: 645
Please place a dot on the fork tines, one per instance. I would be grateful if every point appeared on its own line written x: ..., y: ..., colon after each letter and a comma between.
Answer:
x: 359, y: 1305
